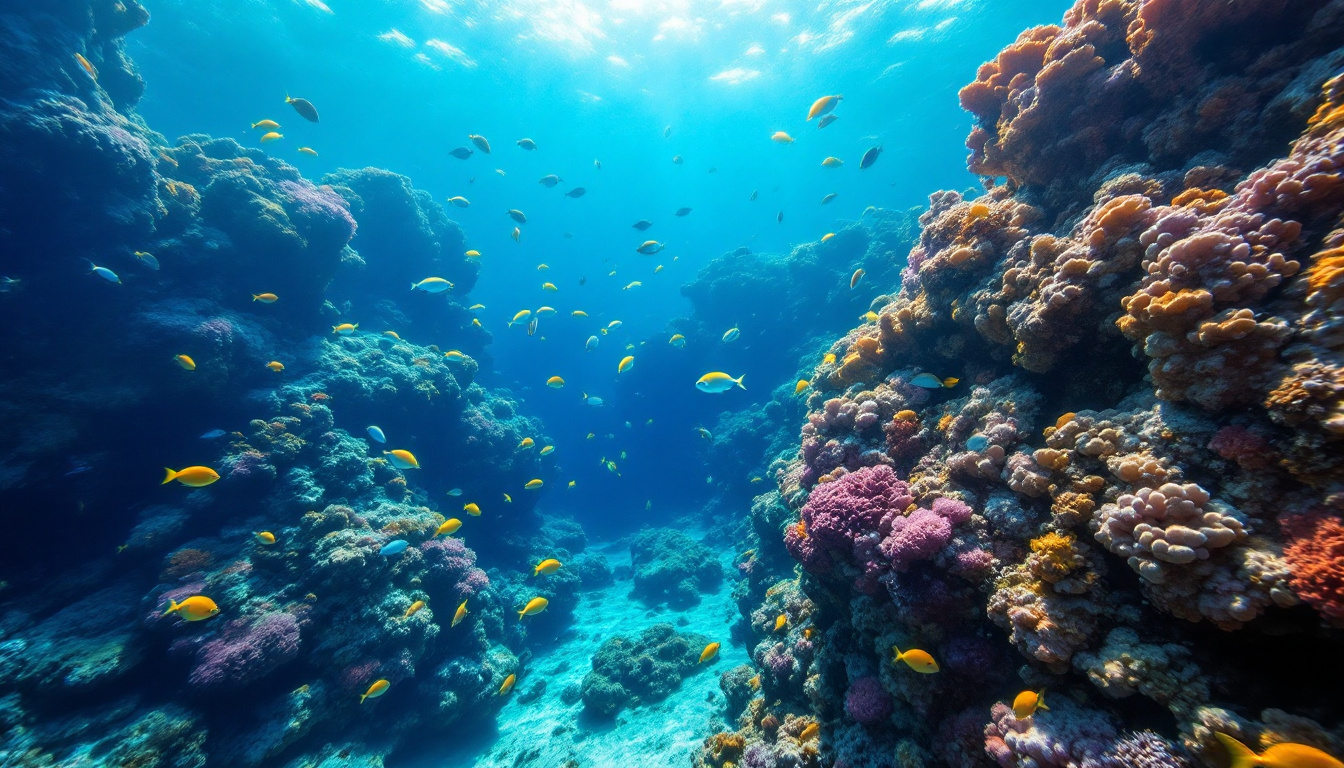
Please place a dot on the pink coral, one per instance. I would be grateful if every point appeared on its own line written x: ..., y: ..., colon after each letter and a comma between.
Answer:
x: 246, y: 650
x: 917, y: 536
x: 867, y: 702
x: 1315, y: 552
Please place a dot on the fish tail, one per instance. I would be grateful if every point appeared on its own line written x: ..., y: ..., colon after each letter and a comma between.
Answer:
x: 172, y: 606
x: 1040, y: 701
x: 739, y: 381
x: 1042, y: 706
x: 365, y: 696
x: 168, y: 477
x: 520, y: 614
x: 1242, y: 756
x: 897, y: 649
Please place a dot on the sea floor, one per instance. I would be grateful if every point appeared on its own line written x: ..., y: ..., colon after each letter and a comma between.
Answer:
x: 548, y: 733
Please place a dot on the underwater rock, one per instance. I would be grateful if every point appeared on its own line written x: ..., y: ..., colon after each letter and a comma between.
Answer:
x: 671, y: 566
x: 630, y: 672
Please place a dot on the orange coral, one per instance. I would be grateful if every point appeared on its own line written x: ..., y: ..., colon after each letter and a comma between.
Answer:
x: 1054, y: 556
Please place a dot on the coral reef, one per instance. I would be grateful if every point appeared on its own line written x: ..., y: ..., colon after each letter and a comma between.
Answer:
x: 671, y: 566
x: 630, y: 672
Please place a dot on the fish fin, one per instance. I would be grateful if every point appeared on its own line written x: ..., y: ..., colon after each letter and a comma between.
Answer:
x: 168, y: 478
x: 365, y: 696
x: 172, y: 606
x: 1039, y: 705
x: 897, y: 650
x: 739, y: 379
x: 1242, y: 756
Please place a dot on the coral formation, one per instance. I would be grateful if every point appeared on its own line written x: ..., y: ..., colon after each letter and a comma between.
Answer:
x: 629, y: 672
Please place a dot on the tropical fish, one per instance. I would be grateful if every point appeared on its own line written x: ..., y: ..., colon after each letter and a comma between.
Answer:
x: 432, y: 285
x: 716, y: 382
x: 508, y: 684
x: 517, y: 215
x: 827, y: 236
x: 534, y: 606
x: 460, y: 201
x: 555, y: 382
x: 402, y: 459
x: 597, y: 164
x: 869, y: 158
x: 676, y: 160
x: 507, y: 498
x: 265, y: 298
x: 780, y: 137
x: 267, y: 138
x: 549, y: 287
x: 781, y: 622
x: 376, y: 433
x: 977, y: 443
x: 823, y: 105
x: 475, y: 307
x: 195, y: 477
x: 526, y: 443
x: 448, y: 528
x: 392, y: 334
x: 549, y: 180
x: 394, y: 548
x: 276, y: 365
x: 460, y: 614
x: 754, y: 193
x: 472, y: 509
x: 632, y: 284
x: 480, y: 142
x: 1027, y: 702
x: 829, y: 198
x: 869, y: 317
x: 185, y: 362
x: 613, y: 325
x: 533, y: 484
x: 732, y: 334
x: 455, y: 492
x: 549, y: 565
x: 1281, y: 755
x: 87, y: 67
x: 929, y: 381
x: 576, y: 192
x: 591, y: 344
x: 345, y: 329
x: 378, y: 688
x: 309, y: 151
x: 304, y: 107
x: 779, y: 218
x: 194, y: 608
x: 855, y: 278
x: 650, y: 247
x: 677, y: 340
x: 801, y: 386
x: 918, y: 660
x: 268, y: 125
x: 461, y: 153
x: 148, y: 260
x: 265, y: 537
x: 520, y: 316
x: 571, y: 483
x: 832, y: 162
x: 596, y: 402
x: 682, y: 212
x: 517, y: 233
x: 827, y: 120
x: 710, y: 652
x: 705, y: 433
x: 214, y: 434
x: 546, y: 450
x: 658, y: 269
x: 626, y: 364
x: 544, y: 310
x: 527, y: 144
x: 457, y: 356
x: 414, y: 609
x: 642, y: 224
x: 106, y: 274
x: 828, y: 358
x: 579, y: 312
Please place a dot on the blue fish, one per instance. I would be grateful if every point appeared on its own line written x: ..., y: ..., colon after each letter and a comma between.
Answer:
x: 869, y: 158
x: 214, y: 434
x: 377, y: 434
x: 394, y: 548
x: 593, y: 401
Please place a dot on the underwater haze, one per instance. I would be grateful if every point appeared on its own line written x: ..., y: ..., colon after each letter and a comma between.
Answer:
x: 705, y: 383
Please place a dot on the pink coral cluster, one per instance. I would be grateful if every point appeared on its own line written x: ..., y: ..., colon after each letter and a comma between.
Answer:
x: 1156, y: 528
x: 1315, y: 552
x: 246, y: 650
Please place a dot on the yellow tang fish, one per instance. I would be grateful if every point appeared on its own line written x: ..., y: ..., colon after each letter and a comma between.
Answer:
x: 460, y: 614
x: 823, y: 105
x: 345, y: 329
x: 531, y: 485
x: 196, y: 477
x: 265, y: 298
x: 828, y: 359
x: 309, y: 151
x: 832, y: 162
x: 267, y: 138
x: 265, y: 537
x: 414, y: 609
x: 710, y: 652
x: 276, y: 365
x: 449, y: 527
x: 268, y: 125
x: 626, y: 364
x: 534, y: 606
x: 827, y: 236
x: 83, y: 62
x: 555, y: 382
x: 527, y: 443
x: 402, y: 459
x: 1027, y: 702
x: 549, y: 287
x: 185, y: 362
x: 472, y: 254
x: 472, y: 509
x: 572, y: 483
x: 780, y: 137
x: 1281, y: 755
x: 508, y: 684
x: 549, y: 565
x: 781, y: 622
x: 547, y: 450
x: 918, y: 660
x: 802, y: 385
x: 476, y: 321
x: 378, y: 688
x: 194, y: 608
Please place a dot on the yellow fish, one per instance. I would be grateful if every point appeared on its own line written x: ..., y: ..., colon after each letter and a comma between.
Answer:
x: 276, y: 365
x: 591, y: 435
x: 475, y: 307
x: 476, y: 321
x: 449, y: 527
x: 265, y: 298
x: 520, y: 317
x: 266, y: 537
x: 472, y: 254
x: 918, y: 660
x: 345, y: 329
x: 827, y: 236
x: 633, y: 284
x: 508, y: 684
x: 658, y: 269
x: 828, y: 359
x: 402, y: 459
x: 269, y: 125
x: 579, y: 313
x: 869, y: 317
x: 378, y: 688
x: 780, y: 137
x: 414, y: 609
x: 194, y: 608
x: 543, y: 267
x: 550, y: 565
x: 572, y: 483
x: 547, y: 450
x: 757, y: 479
x: 545, y: 310
x: 1281, y: 755
x: 196, y: 477
x: 555, y: 382
x: 460, y: 615
x: 855, y: 278
x: 1027, y: 702
x: 531, y: 485
x: 509, y: 499
x: 801, y: 386
x: 626, y: 364
x: 309, y: 151
x: 710, y: 652
x: 781, y: 622
x: 472, y: 509
x: 832, y: 162
x: 83, y: 62
x: 527, y: 443
x: 534, y: 606
x: 823, y: 105
x: 186, y: 362
x: 392, y: 334
x: 549, y: 287
x: 267, y: 138
x: 455, y: 355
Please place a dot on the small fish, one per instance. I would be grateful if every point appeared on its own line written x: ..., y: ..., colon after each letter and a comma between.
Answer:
x: 378, y: 688
x: 508, y: 684
x: 801, y: 386
x: 549, y: 180
x: 455, y: 492
x: 533, y: 484
x: 780, y: 137
x: 579, y: 312
x: 682, y: 212
x: 460, y: 614
x: 632, y: 284
x: 1281, y: 755
x: 828, y: 358
x: 779, y: 218
x: 456, y: 356
x: 265, y: 537
x: 402, y: 459
x: 522, y: 315
x: 705, y: 433
x: 547, y: 450
x: 276, y: 365
x: 827, y: 236
x: 929, y: 381
x: 517, y: 215
x: 194, y: 608
x: 855, y: 278
x: 517, y: 233
x: 448, y: 528
x: 185, y: 362
x: 869, y: 158
x: 549, y: 287
x: 106, y: 274
x: 677, y: 340
x: 596, y: 402
x: 781, y: 622
x: 432, y: 285
x: 642, y: 224
x: 265, y: 298
x: 572, y: 483
x: 460, y: 201
x: 194, y: 477
x: 827, y: 120
x: 626, y: 364
x: 87, y: 67
x: 475, y: 307
x: 613, y: 325
x: 392, y: 335
x: 650, y: 247
x: 667, y: 132
x: 869, y: 317
x: 591, y: 344
x: 507, y: 498
x: 732, y: 334
x: 472, y: 254
x: 597, y: 164
x: 309, y: 151
x: 414, y: 609
x: 716, y: 382
x: 757, y: 479
x: 526, y: 443
x: 550, y: 565
x: 1027, y: 702
x: 527, y: 144
x: 555, y: 382
x: 576, y: 192
x: 545, y: 311
x: 376, y: 433
x: 676, y: 160
x: 304, y: 107
x: 658, y: 269
x: 214, y: 434
x: 461, y: 153
x: 394, y: 548
x: 754, y: 193
x: 534, y: 606
x: 480, y: 142
x: 267, y: 138
x: 345, y: 329
x: 918, y: 660
x: 148, y: 260
x: 832, y: 162
x: 266, y: 125
x: 710, y: 652
x: 823, y: 105
x: 472, y: 509
x: 829, y: 198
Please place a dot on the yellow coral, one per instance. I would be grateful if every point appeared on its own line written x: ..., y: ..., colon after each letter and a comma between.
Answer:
x: 1054, y: 556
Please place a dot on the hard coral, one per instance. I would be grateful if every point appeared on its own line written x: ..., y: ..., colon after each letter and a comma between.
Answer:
x: 1315, y: 553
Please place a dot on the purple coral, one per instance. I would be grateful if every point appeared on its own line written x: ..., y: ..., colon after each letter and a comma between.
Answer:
x: 867, y: 702
x: 1070, y: 736
x: 915, y: 537
x: 246, y: 650
x: 452, y: 568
